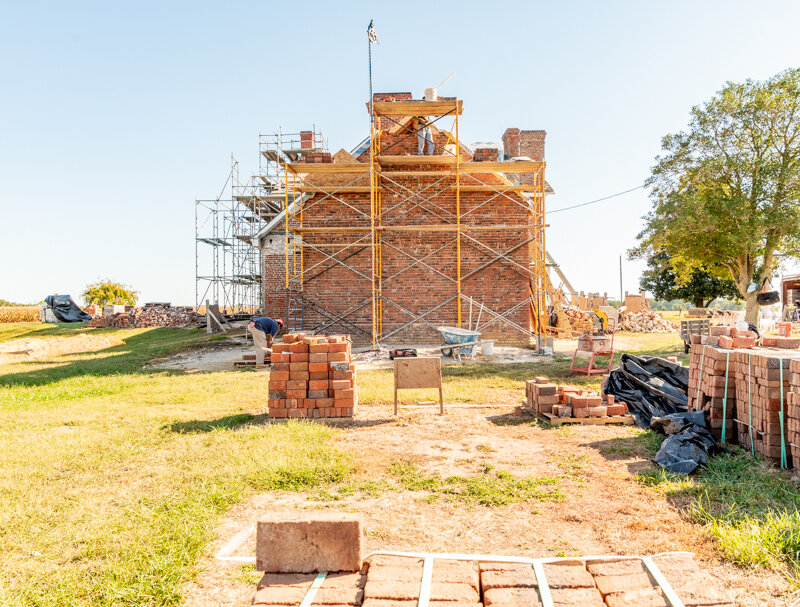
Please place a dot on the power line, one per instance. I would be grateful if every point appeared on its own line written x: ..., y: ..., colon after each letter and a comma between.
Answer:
x: 583, y: 204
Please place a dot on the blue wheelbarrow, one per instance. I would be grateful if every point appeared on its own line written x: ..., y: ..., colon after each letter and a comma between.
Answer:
x: 455, y: 337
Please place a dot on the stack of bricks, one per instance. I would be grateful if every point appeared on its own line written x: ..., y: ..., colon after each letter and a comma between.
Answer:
x: 793, y: 408
x: 544, y: 398
x: 312, y: 376
x: 760, y: 397
x: 707, y: 381
x: 486, y: 155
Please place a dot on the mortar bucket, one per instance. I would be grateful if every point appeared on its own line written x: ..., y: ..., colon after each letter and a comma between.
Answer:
x: 487, y: 348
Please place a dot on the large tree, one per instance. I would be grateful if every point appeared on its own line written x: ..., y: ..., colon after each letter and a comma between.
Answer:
x: 727, y: 192
x: 702, y: 286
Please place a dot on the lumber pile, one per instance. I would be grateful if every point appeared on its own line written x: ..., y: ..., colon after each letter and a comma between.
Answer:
x: 149, y: 316
x: 645, y: 321
x: 568, y: 404
x: 312, y: 376
x: 748, y: 390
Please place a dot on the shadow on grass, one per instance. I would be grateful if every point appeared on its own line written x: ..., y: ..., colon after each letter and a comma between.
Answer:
x: 230, y: 422
x: 137, y: 350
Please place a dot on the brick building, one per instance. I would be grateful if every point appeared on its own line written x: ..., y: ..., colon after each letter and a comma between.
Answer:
x: 391, y: 244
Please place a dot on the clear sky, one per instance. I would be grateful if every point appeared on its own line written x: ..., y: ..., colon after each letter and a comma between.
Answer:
x: 115, y: 117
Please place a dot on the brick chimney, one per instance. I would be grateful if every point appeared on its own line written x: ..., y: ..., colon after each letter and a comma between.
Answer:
x: 524, y: 143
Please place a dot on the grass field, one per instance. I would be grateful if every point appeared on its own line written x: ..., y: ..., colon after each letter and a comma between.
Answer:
x: 116, y: 477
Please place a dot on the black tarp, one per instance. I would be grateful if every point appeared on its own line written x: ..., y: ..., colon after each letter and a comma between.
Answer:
x: 66, y: 310
x: 651, y: 386
x: 655, y: 392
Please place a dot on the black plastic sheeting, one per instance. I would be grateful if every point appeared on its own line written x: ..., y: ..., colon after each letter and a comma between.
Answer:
x: 66, y: 310
x: 655, y: 392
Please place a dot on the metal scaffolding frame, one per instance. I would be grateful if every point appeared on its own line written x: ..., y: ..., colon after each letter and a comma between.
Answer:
x: 521, y: 182
x: 228, y: 265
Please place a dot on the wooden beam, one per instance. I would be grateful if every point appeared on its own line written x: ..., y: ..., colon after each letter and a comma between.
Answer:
x: 449, y: 159
x: 521, y: 166
x: 328, y: 167
x: 334, y: 189
x: 417, y: 108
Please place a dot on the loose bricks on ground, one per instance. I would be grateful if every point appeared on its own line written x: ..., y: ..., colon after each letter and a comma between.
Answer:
x: 315, y: 559
x: 568, y: 402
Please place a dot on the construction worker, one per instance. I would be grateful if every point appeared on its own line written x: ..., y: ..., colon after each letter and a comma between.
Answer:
x: 264, y: 330
x: 424, y: 135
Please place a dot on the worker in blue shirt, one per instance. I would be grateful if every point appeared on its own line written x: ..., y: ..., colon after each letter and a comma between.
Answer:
x: 264, y: 330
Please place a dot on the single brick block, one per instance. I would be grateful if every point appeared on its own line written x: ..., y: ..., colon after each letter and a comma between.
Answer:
x: 319, y: 348
x: 298, y: 367
x: 318, y: 368
x: 295, y: 375
x: 298, y: 394
x: 310, y: 541
x: 340, y: 384
x: 318, y: 394
x: 616, y: 410
x: 600, y: 411
x: 318, y: 384
x: 338, y: 348
x: 318, y: 358
x: 337, y: 356
x: 296, y: 384
x: 298, y: 347
x: 726, y: 342
x: 279, y: 375
x: 298, y: 357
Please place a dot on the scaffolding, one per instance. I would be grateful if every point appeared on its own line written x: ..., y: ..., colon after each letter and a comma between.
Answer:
x: 360, y: 188
x: 228, y: 262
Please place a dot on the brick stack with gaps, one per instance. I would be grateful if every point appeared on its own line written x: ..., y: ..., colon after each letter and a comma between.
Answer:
x: 558, y: 404
x: 291, y: 550
x: 313, y: 377
x: 746, y: 391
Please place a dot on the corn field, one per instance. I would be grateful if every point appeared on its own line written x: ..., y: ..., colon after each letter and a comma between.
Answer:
x: 19, y: 314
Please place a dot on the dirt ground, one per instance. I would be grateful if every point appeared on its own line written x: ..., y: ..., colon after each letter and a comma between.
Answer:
x: 18, y: 350
x: 605, y: 510
x: 212, y: 356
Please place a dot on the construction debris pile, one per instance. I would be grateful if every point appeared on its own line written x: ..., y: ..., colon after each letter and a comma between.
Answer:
x: 580, y: 321
x: 645, y: 321
x: 557, y: 401
x: 291, y: 552
x: 312, y: 376
x: 148, y: 316
x: 746, y: 391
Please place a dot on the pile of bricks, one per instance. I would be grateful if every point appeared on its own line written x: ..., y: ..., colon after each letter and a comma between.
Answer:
x: 486, y: 155
x: 755, y: 396
x: 546, y: 399
x: 312, y: 376
x: 760, y: 395
x: 793, y: 404
x: 149, y: 316
x: 710, y: 370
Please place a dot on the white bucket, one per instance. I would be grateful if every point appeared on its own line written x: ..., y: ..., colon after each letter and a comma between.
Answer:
x: 430, y: 95
x: 487, y: 348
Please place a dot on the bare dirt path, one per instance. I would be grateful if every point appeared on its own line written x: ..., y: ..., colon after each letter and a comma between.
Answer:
x: 604, y: 509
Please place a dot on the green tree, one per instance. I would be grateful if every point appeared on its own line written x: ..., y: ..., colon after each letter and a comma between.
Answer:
x: 725, y: 193
x: 701, y: 287
x: 106, y: 291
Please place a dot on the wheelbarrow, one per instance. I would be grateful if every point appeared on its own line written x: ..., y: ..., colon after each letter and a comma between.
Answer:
x: 457, y: 341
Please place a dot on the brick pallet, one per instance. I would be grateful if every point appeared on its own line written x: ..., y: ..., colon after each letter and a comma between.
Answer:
x: 558, y: 404
x: 312, y: 376
x: 388, y: 580
x: 712, y: 375
x: 731, y: 380
x: 793, y: 408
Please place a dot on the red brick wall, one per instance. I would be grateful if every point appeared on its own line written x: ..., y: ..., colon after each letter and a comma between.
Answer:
x: 411, y: 288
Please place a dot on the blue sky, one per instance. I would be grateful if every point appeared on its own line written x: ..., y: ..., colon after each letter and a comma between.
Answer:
x: 114, y: 118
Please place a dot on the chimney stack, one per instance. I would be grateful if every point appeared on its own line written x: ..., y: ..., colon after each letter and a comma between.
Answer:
x: 524, y: 143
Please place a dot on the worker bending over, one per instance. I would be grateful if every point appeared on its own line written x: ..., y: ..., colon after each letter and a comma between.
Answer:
x: 264, y: 330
